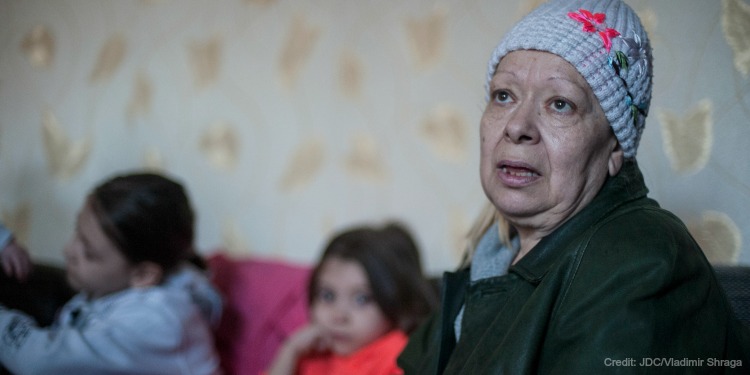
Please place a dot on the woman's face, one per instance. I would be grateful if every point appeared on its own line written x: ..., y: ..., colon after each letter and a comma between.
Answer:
x: 93, y: 263
x: 546, y: 145
x: 345, y: 307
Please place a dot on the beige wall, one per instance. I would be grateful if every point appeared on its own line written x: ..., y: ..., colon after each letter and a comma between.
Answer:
x: 290, y: 119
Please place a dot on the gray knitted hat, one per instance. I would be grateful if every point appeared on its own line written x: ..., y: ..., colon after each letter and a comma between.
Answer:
x: 605, y: 41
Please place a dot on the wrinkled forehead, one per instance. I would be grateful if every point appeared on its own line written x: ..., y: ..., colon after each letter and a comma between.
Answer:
x: 542, y: 63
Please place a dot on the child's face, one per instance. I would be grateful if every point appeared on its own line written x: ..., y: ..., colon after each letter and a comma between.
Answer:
x: 93, y: 264
x: 345, y: 307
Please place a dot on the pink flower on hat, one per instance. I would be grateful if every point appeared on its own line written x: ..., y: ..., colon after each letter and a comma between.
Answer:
x: 594, y: 22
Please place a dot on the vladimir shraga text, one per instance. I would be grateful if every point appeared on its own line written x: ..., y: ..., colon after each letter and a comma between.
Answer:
x: 672, y: 362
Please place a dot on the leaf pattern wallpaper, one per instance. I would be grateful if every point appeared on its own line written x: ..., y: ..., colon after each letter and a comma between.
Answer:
x: 736, y: 22
x: 288, y: 120
x: 110, y: 58
x: 39, y: 47
x: 688, y: 141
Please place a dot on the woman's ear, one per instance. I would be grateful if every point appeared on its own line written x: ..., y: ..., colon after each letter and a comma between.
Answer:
x: 616, y: 158
x: 146, y: 274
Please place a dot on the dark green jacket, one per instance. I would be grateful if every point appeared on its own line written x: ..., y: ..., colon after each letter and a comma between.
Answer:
x: 621, y: 287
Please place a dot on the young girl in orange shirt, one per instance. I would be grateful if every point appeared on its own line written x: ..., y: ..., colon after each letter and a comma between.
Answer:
x: 366, y: 294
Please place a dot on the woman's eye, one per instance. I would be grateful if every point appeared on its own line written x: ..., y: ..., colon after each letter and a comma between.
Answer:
x: 501, y: 96
x: 560, y: 105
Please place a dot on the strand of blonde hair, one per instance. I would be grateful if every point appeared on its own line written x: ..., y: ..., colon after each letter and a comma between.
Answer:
x: 486, y: 218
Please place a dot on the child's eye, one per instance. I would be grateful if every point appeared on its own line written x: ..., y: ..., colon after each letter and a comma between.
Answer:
x: 87, y: 253
x: 362, y: 299
x: 326, y: 295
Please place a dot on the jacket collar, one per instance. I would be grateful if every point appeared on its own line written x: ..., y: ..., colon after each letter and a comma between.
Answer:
x: 626, y: 186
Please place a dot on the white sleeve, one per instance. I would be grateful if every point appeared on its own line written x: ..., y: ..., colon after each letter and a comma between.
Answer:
x: 26, y: 348
x: 139, y: 338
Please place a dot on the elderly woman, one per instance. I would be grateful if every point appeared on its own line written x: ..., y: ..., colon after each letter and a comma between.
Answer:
x: 579, y: 272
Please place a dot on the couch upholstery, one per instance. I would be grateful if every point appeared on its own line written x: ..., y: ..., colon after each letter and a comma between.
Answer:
x: 265, y: 301
x: 736, y: 283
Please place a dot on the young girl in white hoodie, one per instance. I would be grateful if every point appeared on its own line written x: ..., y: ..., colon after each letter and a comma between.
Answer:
x: 141, y: 307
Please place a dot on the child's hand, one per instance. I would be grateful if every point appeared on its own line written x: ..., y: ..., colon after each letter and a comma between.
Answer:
x: 310, y: 338
x: 15, y: 261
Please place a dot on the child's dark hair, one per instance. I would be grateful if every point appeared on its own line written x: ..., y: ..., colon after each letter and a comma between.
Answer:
x: 147, y: 216
x: 391, y: 261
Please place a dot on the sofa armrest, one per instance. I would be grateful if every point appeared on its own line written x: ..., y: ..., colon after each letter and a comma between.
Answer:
x: 735, y: 280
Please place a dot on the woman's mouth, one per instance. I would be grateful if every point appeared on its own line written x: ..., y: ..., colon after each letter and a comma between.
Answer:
x: 515, y: 174
x: 518, y: 172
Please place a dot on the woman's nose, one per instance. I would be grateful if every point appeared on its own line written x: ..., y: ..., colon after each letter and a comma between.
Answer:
x: 523, y: 123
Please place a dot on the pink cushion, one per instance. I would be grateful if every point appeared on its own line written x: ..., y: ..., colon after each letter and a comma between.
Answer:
x: 265, y: 301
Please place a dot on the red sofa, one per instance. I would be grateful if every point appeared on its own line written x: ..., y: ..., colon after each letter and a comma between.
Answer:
x: 265, y: 301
